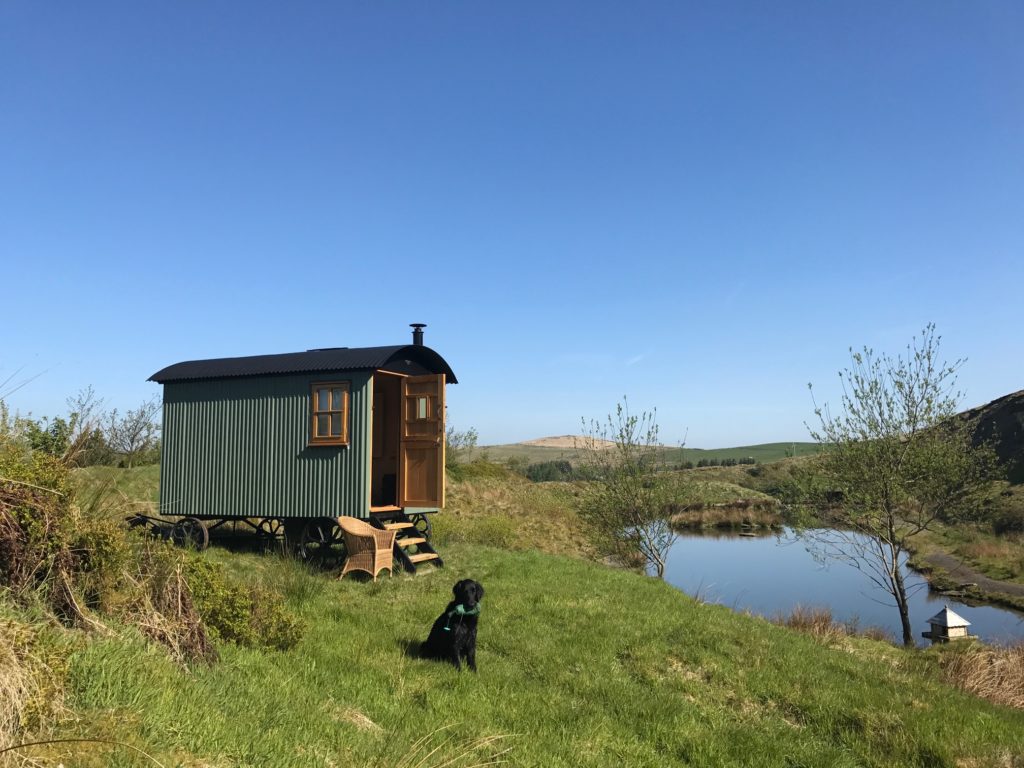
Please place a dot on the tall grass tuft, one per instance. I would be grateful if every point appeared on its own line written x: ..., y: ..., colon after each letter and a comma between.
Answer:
x: 996, y: 674
x: 440, y: 749
x: 818, y: 623
x: 31, y: 680
x: 814, y: 621
x: 18, y: 684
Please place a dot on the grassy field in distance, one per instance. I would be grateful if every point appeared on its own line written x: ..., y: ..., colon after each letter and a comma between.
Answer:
x: 762, y: 453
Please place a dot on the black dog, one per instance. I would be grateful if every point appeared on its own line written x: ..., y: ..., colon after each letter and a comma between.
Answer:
x: 453, y: 636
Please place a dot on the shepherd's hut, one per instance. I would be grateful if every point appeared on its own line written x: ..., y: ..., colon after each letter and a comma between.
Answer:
x: 293, y: 441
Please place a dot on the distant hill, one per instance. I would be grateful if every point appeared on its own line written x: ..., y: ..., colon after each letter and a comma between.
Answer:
x: 1001, y: 421
x: 562, y: 447
x: 563, y: 441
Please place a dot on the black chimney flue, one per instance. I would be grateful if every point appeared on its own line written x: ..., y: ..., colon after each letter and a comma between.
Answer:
x: 417, y: 333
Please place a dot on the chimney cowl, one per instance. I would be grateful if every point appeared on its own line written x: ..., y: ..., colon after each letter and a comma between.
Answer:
x: 417, y: 333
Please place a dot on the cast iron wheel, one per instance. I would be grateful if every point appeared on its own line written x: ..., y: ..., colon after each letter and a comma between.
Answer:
x: 422, y: 524
x: 190, y: 532
x: 270, y: 527
x: 322, y: 543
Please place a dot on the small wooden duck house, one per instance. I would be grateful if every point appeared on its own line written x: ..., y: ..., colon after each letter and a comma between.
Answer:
x: 947, y: 625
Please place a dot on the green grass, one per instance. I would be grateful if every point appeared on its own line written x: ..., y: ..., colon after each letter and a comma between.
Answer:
x: 579, y: 665
x: 697, y: 489
x: 138, y: 485
x: 763, y: 453
x: 489, y: 504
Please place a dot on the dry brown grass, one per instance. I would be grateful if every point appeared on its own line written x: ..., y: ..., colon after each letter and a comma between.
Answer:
x: 740, y: 514
x: 17, y: 683
x: 164, y: 610
x: 991, y: 549
x: 440, y: 749
x: 995, y: 674
x: 813, y: 621
x: 818, y: 622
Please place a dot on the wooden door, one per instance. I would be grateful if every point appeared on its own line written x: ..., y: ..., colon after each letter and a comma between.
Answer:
x: 421, y: 455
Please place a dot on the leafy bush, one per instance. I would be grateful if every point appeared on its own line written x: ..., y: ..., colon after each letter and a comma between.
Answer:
x: 249, y: 615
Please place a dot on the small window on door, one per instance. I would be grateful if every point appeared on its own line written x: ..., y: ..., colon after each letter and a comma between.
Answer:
x: 329, y: 410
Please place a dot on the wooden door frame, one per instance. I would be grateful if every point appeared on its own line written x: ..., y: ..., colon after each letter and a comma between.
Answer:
x: 398, y: 441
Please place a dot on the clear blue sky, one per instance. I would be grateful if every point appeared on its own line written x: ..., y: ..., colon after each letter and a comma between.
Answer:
x: 700, y: 205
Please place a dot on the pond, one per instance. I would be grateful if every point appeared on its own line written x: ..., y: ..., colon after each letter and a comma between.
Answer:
x: 773, y: 574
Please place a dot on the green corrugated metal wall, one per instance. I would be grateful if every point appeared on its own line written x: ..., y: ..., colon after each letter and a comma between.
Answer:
x: 239, y: 448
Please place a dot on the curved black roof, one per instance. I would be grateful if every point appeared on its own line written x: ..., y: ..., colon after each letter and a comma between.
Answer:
x: 407, y: 356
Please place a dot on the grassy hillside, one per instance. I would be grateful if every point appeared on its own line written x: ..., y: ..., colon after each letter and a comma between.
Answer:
x: 579, y: 665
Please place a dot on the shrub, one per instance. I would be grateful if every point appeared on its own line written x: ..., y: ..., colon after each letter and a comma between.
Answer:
x: 233, y: 612
x: 550, y: 471
x: 1008, y: 520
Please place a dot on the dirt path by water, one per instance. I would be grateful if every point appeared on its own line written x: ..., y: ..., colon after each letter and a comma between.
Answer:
x: 964, y: 574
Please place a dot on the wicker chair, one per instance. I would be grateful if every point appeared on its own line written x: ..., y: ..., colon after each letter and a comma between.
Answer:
x: 369, y: 549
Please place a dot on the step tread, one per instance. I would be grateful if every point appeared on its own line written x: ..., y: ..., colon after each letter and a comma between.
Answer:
x: 397, y: 526
x: 424, y: 556
x: 410, y: 540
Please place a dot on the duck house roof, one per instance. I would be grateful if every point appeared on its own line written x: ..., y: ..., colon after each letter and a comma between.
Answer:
x: 947, y: 618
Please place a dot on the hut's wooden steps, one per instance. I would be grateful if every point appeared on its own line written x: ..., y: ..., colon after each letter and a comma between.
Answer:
x: 409, y: 537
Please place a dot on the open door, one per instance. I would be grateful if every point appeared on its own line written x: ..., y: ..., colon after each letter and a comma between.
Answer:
x: 421, y: 452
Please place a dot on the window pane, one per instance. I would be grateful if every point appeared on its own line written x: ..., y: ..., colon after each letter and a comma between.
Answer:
x: 336, y: 425
x: 421, y: 408
x: 323, y: 424
x: 336, y: 403
x: 321, y: 400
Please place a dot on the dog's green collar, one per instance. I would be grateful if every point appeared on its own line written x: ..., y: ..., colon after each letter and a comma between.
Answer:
x: 460, y: 611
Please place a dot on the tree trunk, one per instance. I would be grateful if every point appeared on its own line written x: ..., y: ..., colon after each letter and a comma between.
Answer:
x: 659, y: 566
x: 901, y: 603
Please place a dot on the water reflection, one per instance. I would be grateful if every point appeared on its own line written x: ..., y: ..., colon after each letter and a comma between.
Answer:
x: 773, y: 573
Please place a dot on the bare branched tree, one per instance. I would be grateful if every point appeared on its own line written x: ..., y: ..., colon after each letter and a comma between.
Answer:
x: 135, y: 432
x: 459, y: 445
x: 898, y: 459
x: 625, y: 501
x: 85, y: 433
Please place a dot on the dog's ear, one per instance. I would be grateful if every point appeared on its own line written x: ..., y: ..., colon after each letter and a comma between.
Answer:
x: 479, y: 591
x: 458, y: 587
